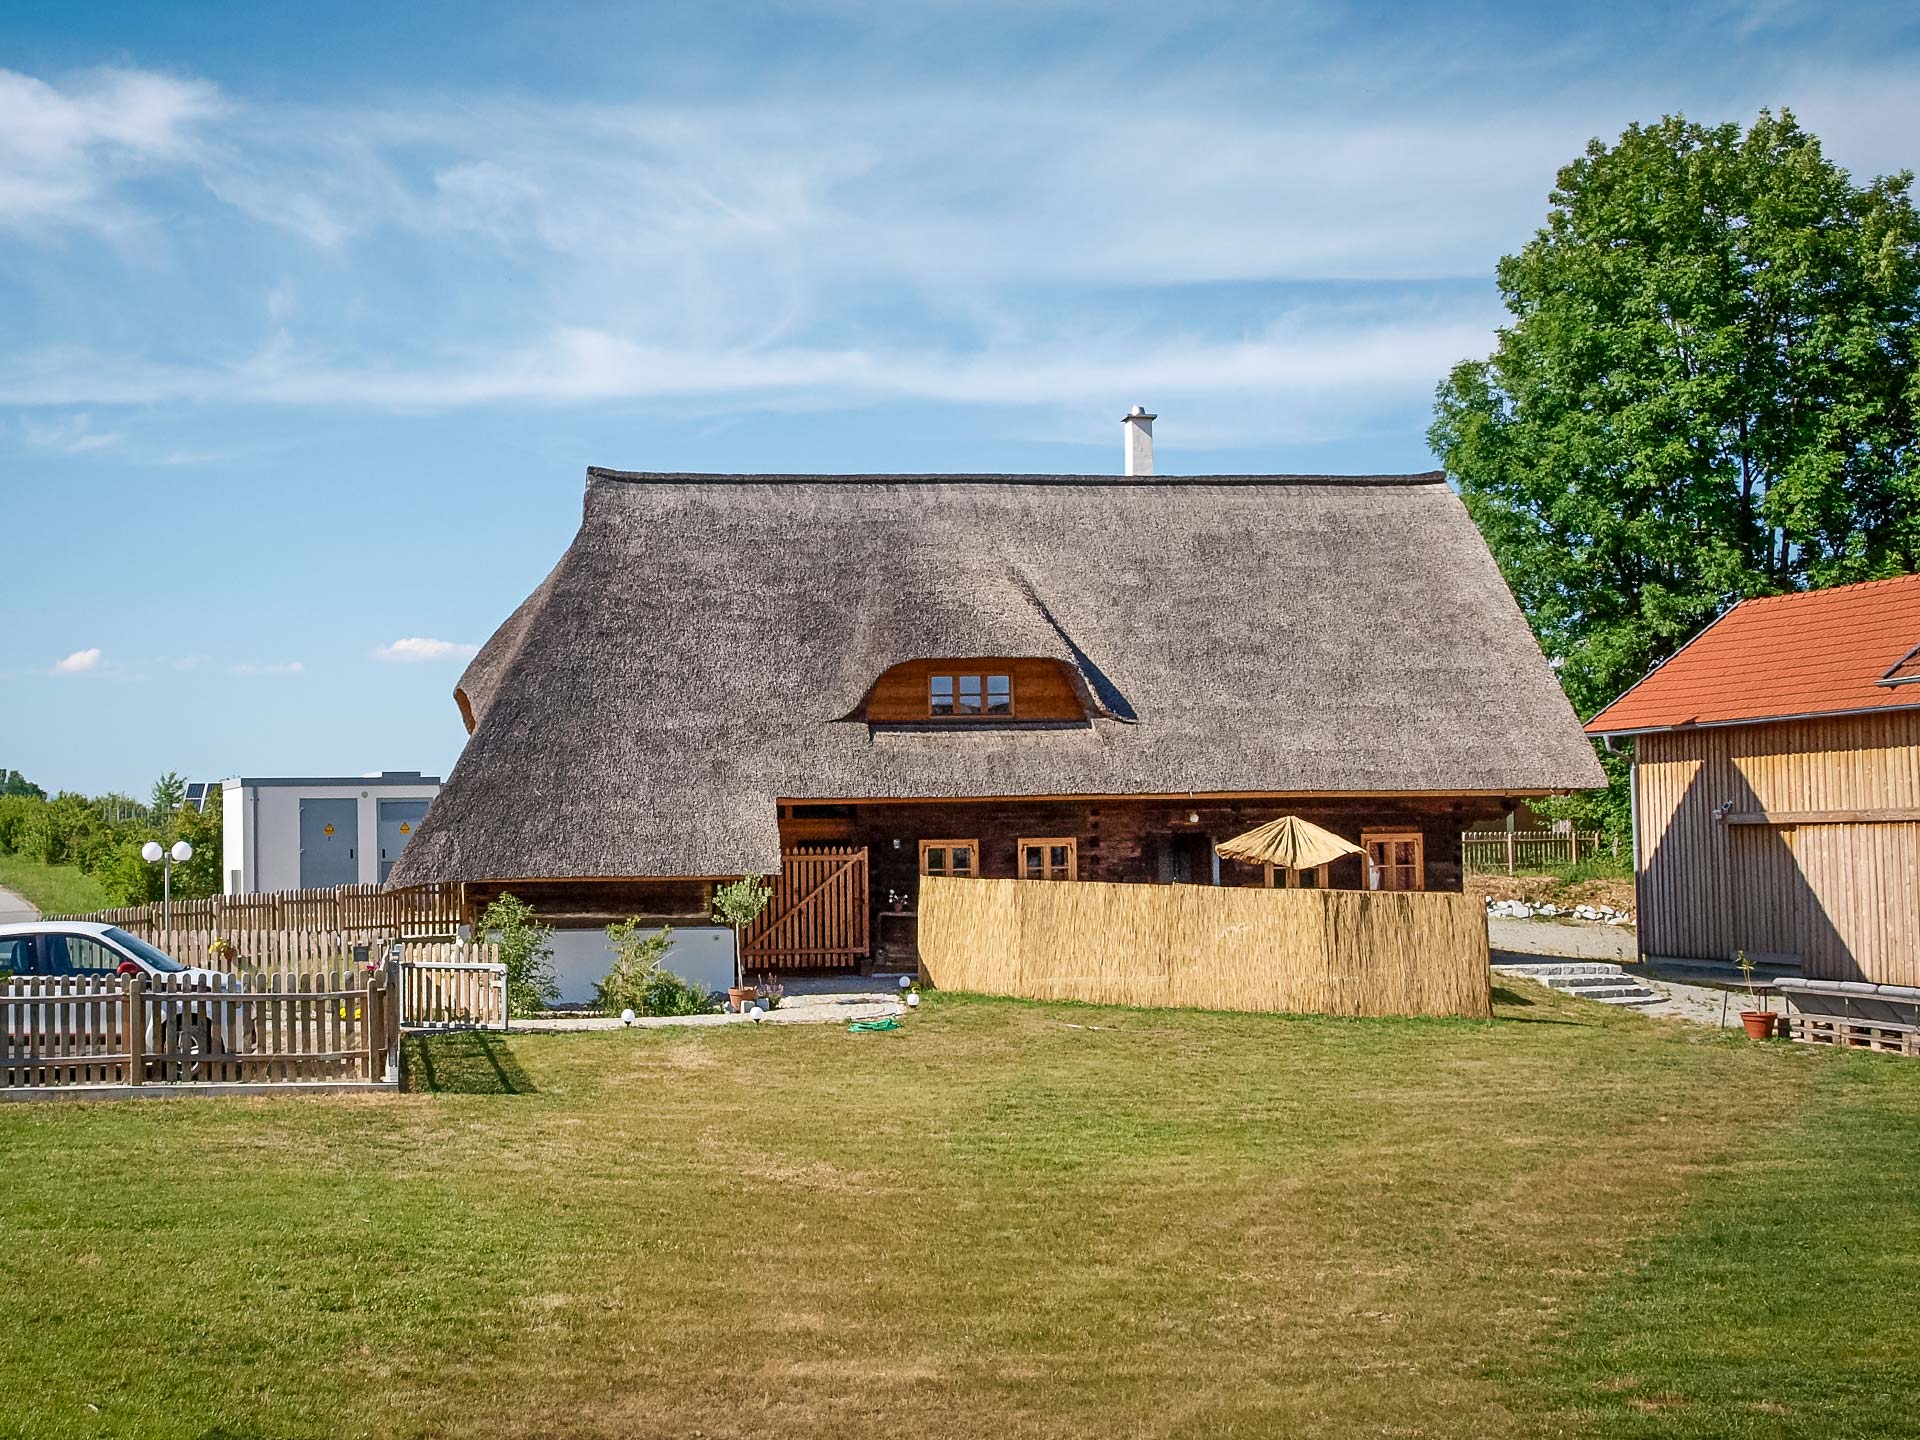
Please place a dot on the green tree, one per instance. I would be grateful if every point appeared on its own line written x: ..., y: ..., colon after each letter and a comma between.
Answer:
x: 169, y: 792
x: 12, y: 782
x: 1707, y: 390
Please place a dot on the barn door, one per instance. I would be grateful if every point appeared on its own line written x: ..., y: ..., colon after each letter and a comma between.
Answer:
x: 817, y: 919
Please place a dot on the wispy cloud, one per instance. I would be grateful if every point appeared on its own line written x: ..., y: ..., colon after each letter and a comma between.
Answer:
x: 79, y: 662
x: 278, y: 667
x: 66, y: 434
x: 416, y: 649
x: 885, y: 243
x: 64, y: 149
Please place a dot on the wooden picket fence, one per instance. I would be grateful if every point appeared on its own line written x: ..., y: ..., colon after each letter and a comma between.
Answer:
x: 442, y: 986
x: 417, y: 910
x: 68, y: 1033
x: 1527, y: 852
x: 285, y: 951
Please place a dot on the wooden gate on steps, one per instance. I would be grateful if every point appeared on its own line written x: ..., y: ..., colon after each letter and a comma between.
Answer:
x: 817, y: 919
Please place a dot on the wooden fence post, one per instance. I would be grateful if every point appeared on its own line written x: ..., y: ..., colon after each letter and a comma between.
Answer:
x: 374, y: 1017
x: 390, y: 1016
x: 134, y: 998
x: 1573, y: 847
x: 1509, y: 852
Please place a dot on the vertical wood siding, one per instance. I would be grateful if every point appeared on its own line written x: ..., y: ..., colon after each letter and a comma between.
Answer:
x: 1841, y: 898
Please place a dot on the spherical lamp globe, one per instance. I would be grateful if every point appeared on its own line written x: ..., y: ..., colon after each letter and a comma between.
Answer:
x: 913, y: 999
x: 151, y: 852
x: 626, y: 1017
x: 182, y: 852
x: 906, y: 982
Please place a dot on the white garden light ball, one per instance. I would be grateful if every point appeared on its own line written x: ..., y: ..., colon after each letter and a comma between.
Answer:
x: 626, y: 1017
x: 757, y: 1013
x: 182, y: 852
x: 913, y: 1000
x: 906, y: 982
x: 151, y: 852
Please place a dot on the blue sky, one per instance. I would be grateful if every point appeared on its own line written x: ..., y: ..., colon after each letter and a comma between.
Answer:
x: 311, y: 317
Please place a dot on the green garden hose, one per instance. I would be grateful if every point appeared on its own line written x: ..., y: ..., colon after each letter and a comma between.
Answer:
x: 889, y: 1022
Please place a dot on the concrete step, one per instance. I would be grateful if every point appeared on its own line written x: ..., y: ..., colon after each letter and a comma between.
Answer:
x: 1590, y: 980
x: 1557, y: 969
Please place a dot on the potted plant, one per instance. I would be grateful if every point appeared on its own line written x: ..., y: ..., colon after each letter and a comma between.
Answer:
x: 770, y: 992
x: 738, y: 905
x: 1759, y: 1023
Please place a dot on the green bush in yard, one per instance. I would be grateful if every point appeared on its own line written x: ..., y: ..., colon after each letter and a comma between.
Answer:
x: 637, y: 980
x: 526, y: 949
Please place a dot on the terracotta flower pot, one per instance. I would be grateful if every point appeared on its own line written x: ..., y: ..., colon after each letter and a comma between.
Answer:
x: 1759, y: 1024
x: 740, y: 997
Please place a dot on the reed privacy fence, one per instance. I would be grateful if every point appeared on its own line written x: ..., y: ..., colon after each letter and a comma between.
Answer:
x: 1331, y: 952
x: 418, y: 910
x: 1518, y: 852
x: 69, y: 1033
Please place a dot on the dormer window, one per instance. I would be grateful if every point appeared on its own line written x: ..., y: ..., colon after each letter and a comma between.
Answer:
x: 968, y: 697
x: 962, y: 692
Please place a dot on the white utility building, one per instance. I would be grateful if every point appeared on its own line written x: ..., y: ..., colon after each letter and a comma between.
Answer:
x: 307, y: 833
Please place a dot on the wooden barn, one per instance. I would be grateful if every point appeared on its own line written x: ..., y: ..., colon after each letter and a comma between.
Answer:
x: 1776, y: 786
x: 853, y: 681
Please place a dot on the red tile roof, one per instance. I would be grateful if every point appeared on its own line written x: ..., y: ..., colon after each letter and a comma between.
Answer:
x: 1820, y: 652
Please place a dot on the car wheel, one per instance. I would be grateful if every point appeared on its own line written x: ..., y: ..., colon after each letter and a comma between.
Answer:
x: 188, y: 1045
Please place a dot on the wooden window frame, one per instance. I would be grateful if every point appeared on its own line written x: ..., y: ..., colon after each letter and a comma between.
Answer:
x: 1370, y: 838
x: 949, y: 846
x: 1043, y: 842
x: 984, y: 679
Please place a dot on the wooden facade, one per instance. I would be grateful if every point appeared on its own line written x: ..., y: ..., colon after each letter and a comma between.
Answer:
x: 1795, y: 841
x: 816, y: 921
x: 1150, y: 840
x: 1042, y: 691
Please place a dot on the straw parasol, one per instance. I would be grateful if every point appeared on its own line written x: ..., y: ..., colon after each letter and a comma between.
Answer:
x: 1288, y: 843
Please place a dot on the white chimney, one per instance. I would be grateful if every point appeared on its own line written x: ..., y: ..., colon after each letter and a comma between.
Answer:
x: 1137, y: 426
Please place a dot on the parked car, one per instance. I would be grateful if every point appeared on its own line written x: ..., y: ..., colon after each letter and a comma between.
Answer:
x: 185, y: 1030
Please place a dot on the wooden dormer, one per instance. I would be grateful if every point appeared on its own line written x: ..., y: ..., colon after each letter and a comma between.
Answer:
x: 978, y: 691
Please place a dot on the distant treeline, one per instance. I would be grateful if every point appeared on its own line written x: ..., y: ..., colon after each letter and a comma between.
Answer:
x: 103, y: 835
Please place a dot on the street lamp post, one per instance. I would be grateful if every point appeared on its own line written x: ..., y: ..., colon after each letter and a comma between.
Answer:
x: 153, y: 854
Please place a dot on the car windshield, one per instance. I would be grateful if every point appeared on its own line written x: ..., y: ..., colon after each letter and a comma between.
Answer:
x: 133, y: 944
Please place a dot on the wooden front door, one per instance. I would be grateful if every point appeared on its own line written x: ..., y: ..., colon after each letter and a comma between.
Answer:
x: 817, y: 919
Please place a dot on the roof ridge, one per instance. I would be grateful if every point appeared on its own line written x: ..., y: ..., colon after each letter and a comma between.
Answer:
x: 1849, y: 587
x: 684, y: 477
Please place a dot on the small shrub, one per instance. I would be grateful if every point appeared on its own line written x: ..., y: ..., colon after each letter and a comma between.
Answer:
x: 665, y: 993
x: 526, y: 949
x: 637, y: 981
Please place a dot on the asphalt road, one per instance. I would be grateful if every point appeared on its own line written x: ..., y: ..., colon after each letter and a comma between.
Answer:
x: 13, y: 909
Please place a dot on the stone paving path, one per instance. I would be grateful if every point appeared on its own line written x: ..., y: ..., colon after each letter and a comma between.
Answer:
x: 814, y: 1000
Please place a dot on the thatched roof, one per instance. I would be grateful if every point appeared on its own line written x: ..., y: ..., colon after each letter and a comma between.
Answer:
x: 688, y: 662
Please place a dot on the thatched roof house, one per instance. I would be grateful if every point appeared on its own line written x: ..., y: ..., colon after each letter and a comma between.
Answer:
x: 718, y: 655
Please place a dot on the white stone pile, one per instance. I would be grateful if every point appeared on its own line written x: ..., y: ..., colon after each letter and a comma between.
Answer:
x: 1547, y: 910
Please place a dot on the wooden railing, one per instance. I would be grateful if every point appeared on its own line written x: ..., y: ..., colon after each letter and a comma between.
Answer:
x: 417, y: 910
x: 69, y: 1032
x: 1521, y: 852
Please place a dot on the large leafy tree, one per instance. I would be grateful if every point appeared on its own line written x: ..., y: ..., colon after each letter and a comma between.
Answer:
x: 1707, y: 390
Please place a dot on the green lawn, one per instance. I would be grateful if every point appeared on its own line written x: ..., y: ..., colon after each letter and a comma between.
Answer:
x: 1007, y: 1219
x: 52, y: 889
